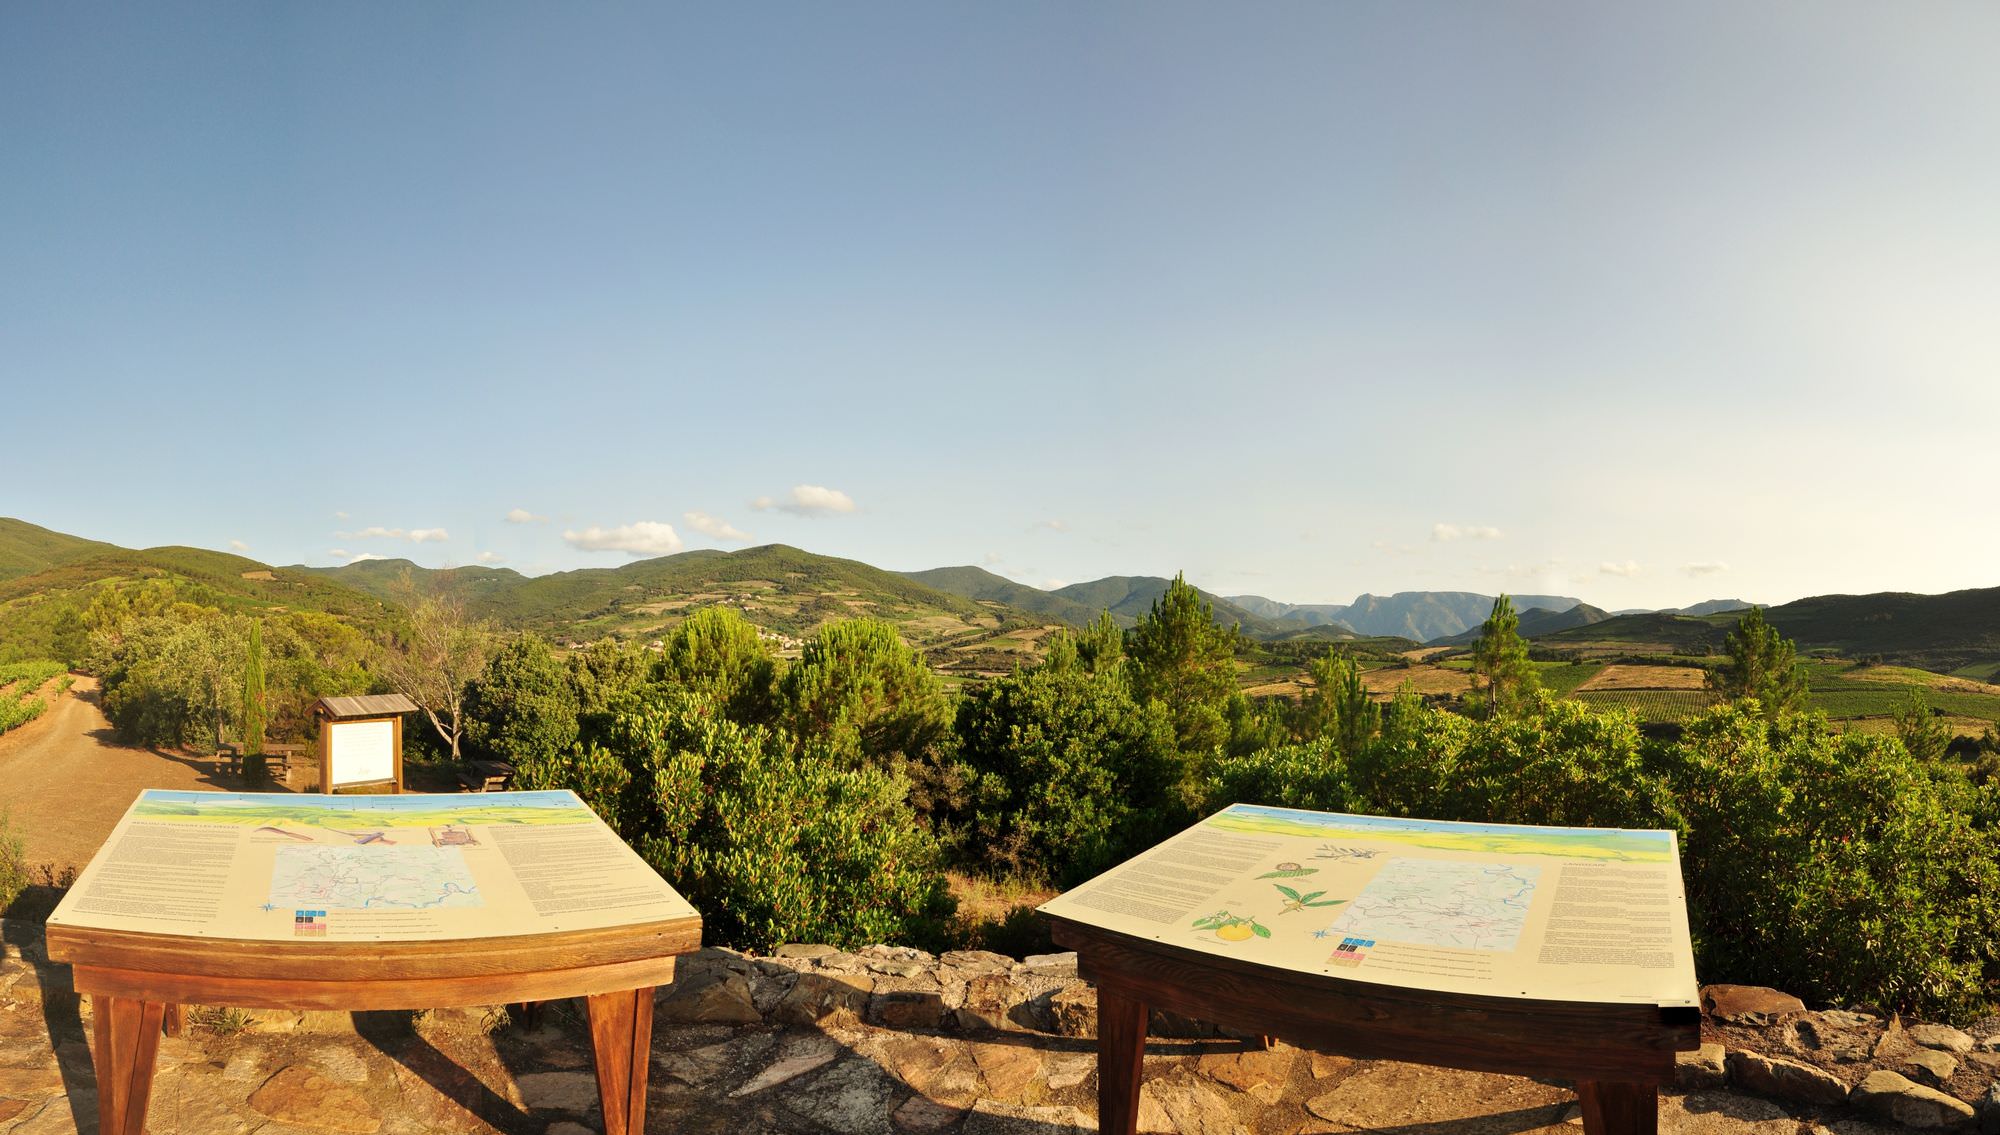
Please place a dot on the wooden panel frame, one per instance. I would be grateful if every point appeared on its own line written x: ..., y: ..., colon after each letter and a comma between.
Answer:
x: 138, y: 982
x: 1619, y: 1053
x: 312, y: 959
x: 326, y: 752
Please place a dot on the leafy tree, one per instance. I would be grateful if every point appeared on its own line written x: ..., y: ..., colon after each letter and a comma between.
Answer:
x: 1067, y: 772
x: 1340, y: 707
x: 1180, y: 658
x: 719, y: 653
x: 1926, y: 737
x: 523, y: 708
x: 439, y: 654
x: 1500, y: 664
x: 1762, y: 664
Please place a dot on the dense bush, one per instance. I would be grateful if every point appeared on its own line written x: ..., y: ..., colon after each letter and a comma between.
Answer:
x: 1067, y: 773
x: 524, y: 707
x: 773, y: 840
x: 13, y: 867
x: 1834, y: 865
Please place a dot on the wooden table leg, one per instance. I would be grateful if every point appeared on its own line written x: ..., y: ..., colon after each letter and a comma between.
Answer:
x: 1121, y: 1060
x: 1619, y: 1109
x: 172, y: 1019
x: 621, y: 1034
x: 128, y: 1041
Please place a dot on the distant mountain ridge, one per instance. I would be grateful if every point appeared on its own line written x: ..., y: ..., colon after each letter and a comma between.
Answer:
x: 946, y: 611
x: 1421, y: 616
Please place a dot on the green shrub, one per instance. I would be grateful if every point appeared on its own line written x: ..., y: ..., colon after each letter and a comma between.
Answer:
x: 1833, y: 865
x: 772, y: 840
x: 1066, y: 773
x: 14, y: 876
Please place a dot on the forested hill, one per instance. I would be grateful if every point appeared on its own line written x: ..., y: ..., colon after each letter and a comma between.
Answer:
x: 1957, y: 632
x: 40, y: 613
x: 28, y: 548
x: 778, y: 587
x: 983, y: 586
x: 1128, y: 597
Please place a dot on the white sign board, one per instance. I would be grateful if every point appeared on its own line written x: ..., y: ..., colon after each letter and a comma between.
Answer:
x: 360, y: 752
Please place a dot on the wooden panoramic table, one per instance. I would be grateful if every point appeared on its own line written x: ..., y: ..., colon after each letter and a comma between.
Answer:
x: 277, y: 901
x: 1549, y: 952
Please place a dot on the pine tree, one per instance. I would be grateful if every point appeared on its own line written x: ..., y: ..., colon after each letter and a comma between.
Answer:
x: 1500, y: 662
x: 1763, y: 664
x: 1341, y: 707
x: 1180, y: 658
x: 254, y: 711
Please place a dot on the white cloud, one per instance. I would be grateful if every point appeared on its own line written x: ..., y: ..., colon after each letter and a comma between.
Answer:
x: 714, y: 526
x: 523, y: 516
x: 1054, y: 584
x: 415, y: 535
x: 238, y: 546
x: 1054, y: 525
x: 807, y: 500
x: 991, y: 558
x: 1706, y: 567
x: 492, y: 558
x: 1448, y: 532
x: 639, y: 539
x: 1628, y: 569
x: 353, y: 557
x: 340, y: 515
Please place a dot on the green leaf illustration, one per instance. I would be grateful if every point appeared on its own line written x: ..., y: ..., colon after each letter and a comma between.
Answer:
x: 1307, y: 899
x: 1329, y: 902
x: 1257, y: 928
x: 1288, y: 892
x: 1295, y: 873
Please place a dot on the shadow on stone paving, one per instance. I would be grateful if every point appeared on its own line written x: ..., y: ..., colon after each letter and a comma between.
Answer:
x: 394, y: 1034
x: 62, y: 1018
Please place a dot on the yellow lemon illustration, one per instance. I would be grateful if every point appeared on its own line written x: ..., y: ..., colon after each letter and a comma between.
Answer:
x: 1234, y: 932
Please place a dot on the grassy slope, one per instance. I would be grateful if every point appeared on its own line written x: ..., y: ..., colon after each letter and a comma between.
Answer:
x: 775, y: 586
x: 982, y: 586
x: 28, y: 548
x: 30, y: 605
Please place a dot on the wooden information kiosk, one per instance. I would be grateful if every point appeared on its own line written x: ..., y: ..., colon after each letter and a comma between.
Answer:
x: 1550, y: 952
x: 361, y: 741
x: 276, y: 901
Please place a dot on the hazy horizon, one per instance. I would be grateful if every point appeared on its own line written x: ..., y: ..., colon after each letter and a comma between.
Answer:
x: 1644, y: 306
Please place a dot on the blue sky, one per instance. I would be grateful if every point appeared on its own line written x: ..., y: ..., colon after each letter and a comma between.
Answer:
x: 1646, y: 304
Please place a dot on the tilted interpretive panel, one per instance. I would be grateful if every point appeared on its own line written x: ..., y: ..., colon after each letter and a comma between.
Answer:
x: 281, y: 867
x: 1567, y: 914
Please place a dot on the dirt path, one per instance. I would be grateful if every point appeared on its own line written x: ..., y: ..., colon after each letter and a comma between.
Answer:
x: 65, y: 780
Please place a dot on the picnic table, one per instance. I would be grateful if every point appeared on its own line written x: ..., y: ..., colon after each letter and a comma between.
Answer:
x: 486, y: 776
x: 232, y: 754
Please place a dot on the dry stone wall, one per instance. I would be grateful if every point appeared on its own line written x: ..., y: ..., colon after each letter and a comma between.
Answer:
x: 890, y: 1040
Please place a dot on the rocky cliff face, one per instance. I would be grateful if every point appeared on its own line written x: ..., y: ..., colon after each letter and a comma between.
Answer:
x: 888, y: 1040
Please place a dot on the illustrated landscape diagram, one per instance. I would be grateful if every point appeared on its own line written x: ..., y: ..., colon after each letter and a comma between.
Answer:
x: 355, y: 818
x: 1479, y: 839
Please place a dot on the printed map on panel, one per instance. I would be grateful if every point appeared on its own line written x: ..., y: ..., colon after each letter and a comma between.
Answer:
x: 371, y: 878
x: 1428, y: 902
